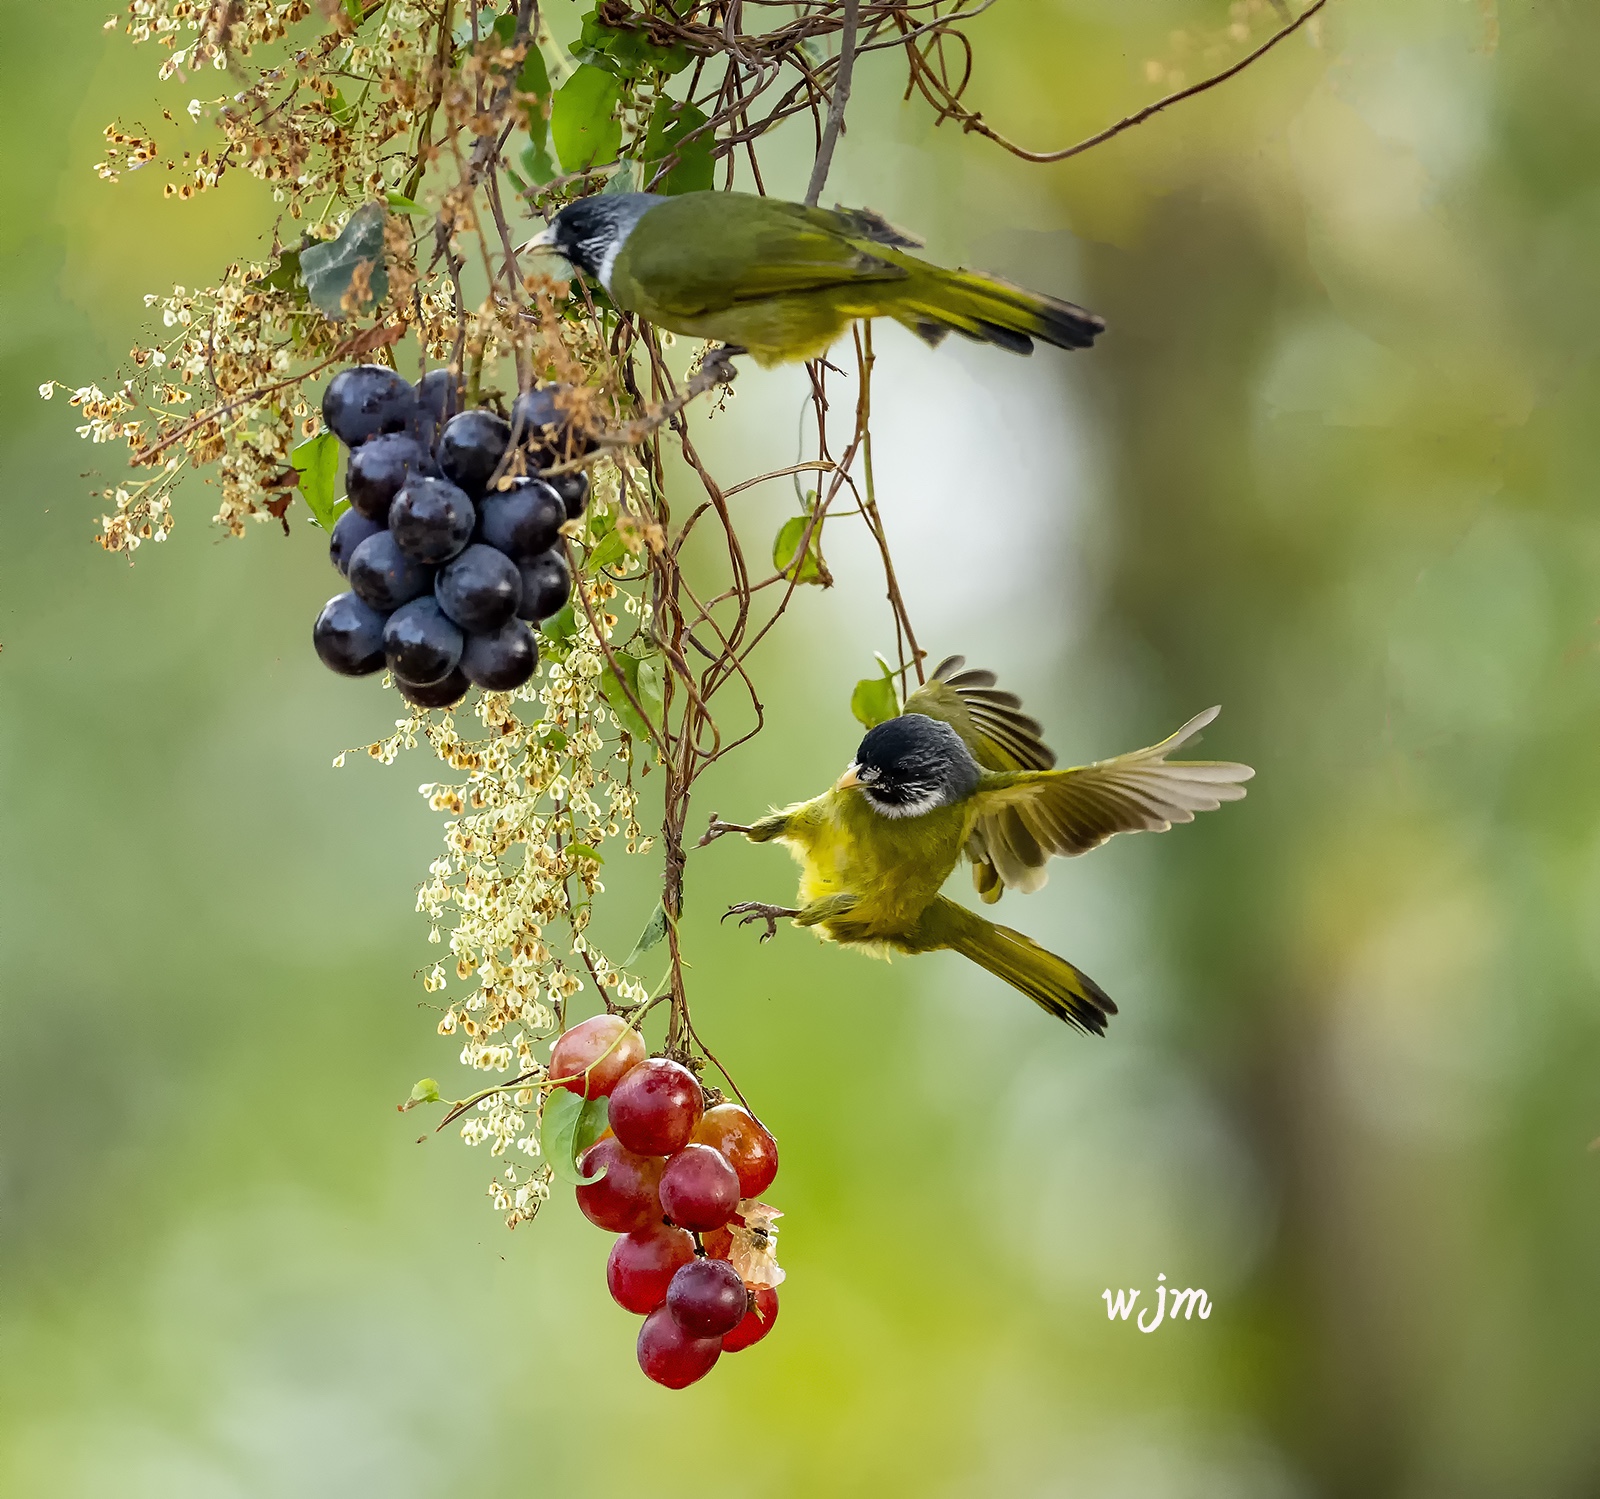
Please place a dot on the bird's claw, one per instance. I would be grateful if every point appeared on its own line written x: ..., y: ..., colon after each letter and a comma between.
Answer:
x: 753, y: 910
x: 717, y: 828
x: 718, y: 363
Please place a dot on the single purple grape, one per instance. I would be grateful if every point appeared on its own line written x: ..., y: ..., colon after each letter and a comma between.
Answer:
x: 471, y: 446
x: 365, y: 400
x: 422, y: 645
x: 523, y: 520
x: 431, y: 519
x: 349, y: 531
x: 384, y: 577
x: 379, y: 467
x: 480, y: 589
x: 503, y: 660
x: 445, y: 694
x: 546, y: 583
x: 348, y: 636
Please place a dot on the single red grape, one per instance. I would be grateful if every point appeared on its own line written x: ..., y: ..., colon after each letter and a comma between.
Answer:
x: 699, y: 1189
x: 757, y: 1321
x: 655, y: 1108
x: 626, y: 1197
x: 643, y: 1263
x: 739, y: 1136
x: 668, y: 1355
x: 707, y: 1298
x: 589, y: 1045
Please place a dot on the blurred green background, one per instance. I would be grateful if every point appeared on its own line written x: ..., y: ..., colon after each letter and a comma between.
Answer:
x: 1332, y: 467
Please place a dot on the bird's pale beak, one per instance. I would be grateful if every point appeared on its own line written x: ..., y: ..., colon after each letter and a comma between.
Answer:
x: 545, y: 239
x: 849, y: 778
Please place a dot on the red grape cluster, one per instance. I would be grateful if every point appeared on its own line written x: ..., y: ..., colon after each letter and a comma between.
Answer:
x: 680, y: 1183
x: 448, y: 563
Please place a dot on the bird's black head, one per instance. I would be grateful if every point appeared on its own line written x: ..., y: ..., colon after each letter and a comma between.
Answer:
x: 591, y: 231
x: 912, y: 764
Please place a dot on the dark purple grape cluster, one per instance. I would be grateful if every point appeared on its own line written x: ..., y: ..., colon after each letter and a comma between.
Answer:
x: 446, y: 572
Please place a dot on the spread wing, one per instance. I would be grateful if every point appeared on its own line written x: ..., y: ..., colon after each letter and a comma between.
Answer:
x: 704, y: 252
x: 1066, y: 812
x: 1001, y: 737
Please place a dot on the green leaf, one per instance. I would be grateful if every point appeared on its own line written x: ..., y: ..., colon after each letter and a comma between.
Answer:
x: 584, y: 121
x: 317, y: 462
x: 693, y: 169
x: 609, y: 549
x: 585, y: 852
x: 327, y: 269
x: 874, y: 701
x: 627, y: 52
x: 655, y: 931
x: 285, y: 276
x: 554, y: 740
x: 561, y: 1125
x: 533, y: 77
x: 558, y: 632
x: 807, y: 569
x: 593, y: 1122
x: 536, y: 163
x: 340, y: 109
x: 610, y: 684
x: 402, y: 204
x: 624, y: 180
x: 651, y: 689
x: 426, y: 1091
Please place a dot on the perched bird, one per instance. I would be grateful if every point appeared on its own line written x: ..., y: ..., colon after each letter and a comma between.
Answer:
x: 963, y: 770
x: 781, y: 281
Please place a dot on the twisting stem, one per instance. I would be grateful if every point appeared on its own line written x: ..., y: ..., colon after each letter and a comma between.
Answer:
x: 869, y: 508
x: 971, y: 120
x: 836, y: 105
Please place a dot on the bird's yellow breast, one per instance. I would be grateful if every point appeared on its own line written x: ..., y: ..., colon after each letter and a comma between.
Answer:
x: 894, y: 867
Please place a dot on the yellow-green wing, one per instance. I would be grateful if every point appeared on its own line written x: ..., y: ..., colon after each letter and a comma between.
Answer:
x: 1064, y: 812
x: 1000, y: 736
x: 704, y: 252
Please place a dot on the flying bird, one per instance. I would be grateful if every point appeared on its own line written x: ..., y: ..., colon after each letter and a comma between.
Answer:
x: 963, y: 771
x: 781, y: 281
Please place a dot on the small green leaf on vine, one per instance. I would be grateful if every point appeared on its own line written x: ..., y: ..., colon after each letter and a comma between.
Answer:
x: 402, y: 204
x: 691, y: 171
x: 567, y: 1127
x: 609, y: 550
x: 557, y: 634
x: 330, y: 270
x: 584, y: 121
x: 786, y: 548
x: 426, y: 1091
x: 317, y: 462
x: 651, y: 689
x: 627, y: 52
x: 285, y: 276
x: 655, y: 931
x: 619, y: 699
x: 584, y: 851
x: 536, y: 164
x: 874, y: 701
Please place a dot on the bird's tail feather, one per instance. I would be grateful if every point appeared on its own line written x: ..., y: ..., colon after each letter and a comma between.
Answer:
x: 1050, y: 982
x: 989, y: 310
